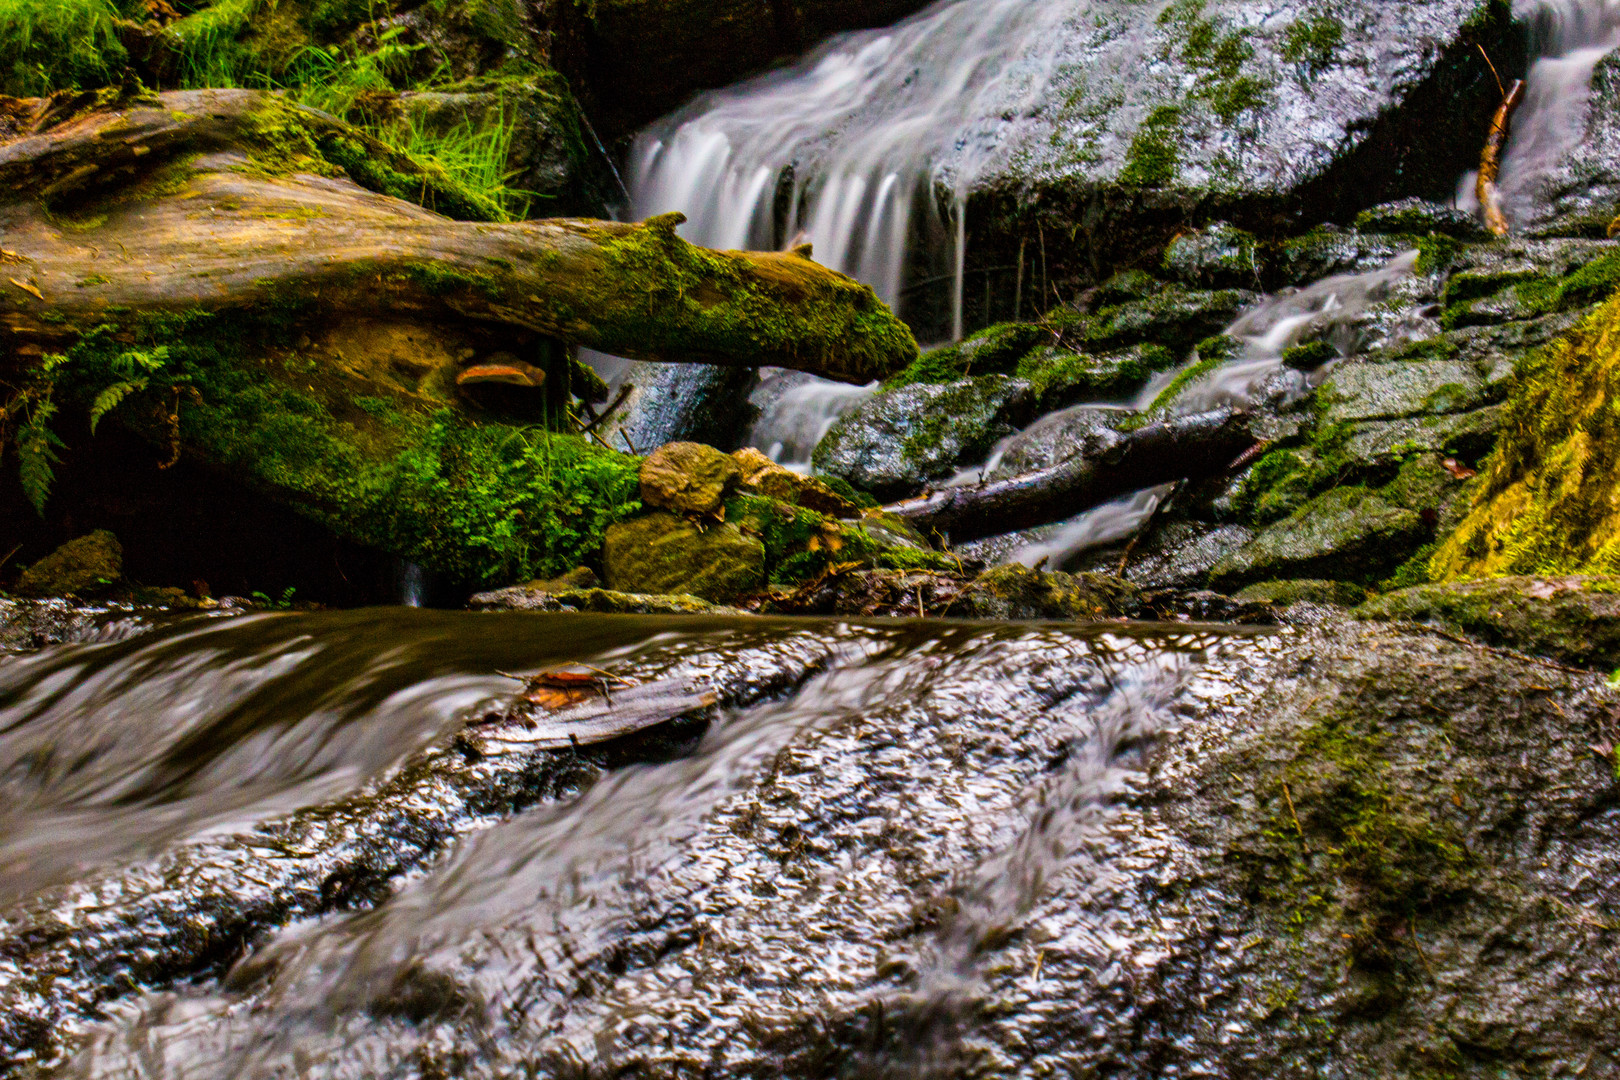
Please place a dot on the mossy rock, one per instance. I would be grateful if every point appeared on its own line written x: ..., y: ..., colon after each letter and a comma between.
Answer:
x: 1304, y: 591
x: 688, y: 478
x: 1419, y: 217
x: 664, y: 554
x: 87, y: 567
x: 1351, y: 533
x: 1019, y: 592
x: 596, y: 601
x: 1549, y: 500
x: 1219, y: 256
x: 1575, y: 619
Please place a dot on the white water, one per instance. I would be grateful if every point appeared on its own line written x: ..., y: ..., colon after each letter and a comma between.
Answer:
x: 1568, y: 39
x: 862, y: 134
x: 1334, y: 310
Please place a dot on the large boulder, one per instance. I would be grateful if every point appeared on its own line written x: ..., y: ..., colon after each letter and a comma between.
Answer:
x: 88, y: 566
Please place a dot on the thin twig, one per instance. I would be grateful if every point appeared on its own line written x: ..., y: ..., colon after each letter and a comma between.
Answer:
x: 1492, y: 66
x: 1291, y: 813
x: 624, y: 392
x: 1411, y: 927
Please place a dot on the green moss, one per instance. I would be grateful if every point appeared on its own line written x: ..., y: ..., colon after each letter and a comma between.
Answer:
x: 484, y: 503
x: 799, y: 544
x: 1546, y: 503
x: 1394, y: 860
x: 1310, y: 355
x: 1155, y: 154
x: 1280, y: 483
x: 996, y: 349
x: 1217, y: 55
x: 1194, y: 373
x: 1312, y: 43
x: 1437, y: 253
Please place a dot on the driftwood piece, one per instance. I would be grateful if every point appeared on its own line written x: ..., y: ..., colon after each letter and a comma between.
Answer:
x: 1490, y: 161
x: 1177, y: 448
x: 230, y: 199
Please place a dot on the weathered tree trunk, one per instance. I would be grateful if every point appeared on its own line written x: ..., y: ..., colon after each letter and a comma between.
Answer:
x: 230, y: 199
x: 1180, y: 448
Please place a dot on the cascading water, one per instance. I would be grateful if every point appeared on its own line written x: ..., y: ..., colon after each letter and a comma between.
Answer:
x: 1350, y: 312
x: 967, y: 761
x: 870, y: 145
x: 1568, y: 40
x: 857, y: 140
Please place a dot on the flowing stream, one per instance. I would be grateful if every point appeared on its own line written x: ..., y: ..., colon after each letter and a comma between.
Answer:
x: 879, y: 766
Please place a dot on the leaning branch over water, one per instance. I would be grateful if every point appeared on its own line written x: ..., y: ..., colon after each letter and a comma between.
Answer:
x: 1490, y: 161
x: 218, y: 200
x: 1178, y: 448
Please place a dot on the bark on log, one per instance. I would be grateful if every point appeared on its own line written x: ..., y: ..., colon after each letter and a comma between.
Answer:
x: 230, y: 199
x: 1178, y: 448
x: 1490, y: 161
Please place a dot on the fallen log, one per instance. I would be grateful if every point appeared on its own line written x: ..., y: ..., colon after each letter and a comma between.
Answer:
x: 1490, y: 161
x: 1177, y: 448
x: 230, y: 199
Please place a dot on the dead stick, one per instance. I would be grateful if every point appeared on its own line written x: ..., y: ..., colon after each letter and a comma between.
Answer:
x: 1490, y: 161
x: 624, y: 392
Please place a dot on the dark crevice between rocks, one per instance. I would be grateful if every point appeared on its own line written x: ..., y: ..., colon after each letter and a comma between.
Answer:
x: 189, y: 524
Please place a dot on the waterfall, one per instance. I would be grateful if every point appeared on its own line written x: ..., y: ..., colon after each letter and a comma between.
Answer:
x: 1568, y: 38
x: 858, y: 141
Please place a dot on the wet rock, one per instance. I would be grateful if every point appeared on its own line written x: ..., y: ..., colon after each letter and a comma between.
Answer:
x: 1359, y: 390
x: 688, y: 478
x: 672, y: 402
x: 1328, y: 250
x: 777, y: 482
x: 1468, y: 435
x: 1419, y: 217
x: 1351, y: 533
x: 1019, y: 592
x: 1176, y: 318
x: 661, y: 553
x: 1346, y: 851
x: 1575, y: 619
x: 1060, y: 376
x: 1304, y: 590
x: 539, y: 597
x: 89, y: 566
x: 31, y: 625
x: 901, y: 439
x: 1217, y: 257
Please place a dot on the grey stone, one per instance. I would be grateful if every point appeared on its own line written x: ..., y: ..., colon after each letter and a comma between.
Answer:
x: 898, y: 440
x: 1379, y: 442
x: 1358, y: 390
x: 1420, y: 217
x: 1348, y: 533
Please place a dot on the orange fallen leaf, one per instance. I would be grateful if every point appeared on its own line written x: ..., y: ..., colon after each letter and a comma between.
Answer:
x: 27, y: 288
x: 1458, y: 470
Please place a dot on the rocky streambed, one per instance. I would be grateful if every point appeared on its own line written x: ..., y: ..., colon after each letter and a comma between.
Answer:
x: 1342, y: 846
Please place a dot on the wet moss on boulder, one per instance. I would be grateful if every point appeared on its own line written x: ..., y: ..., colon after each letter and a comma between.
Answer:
x: 1574, y: 619
x: 660, y: 553
x: 1547, y: 501
x: 89, y: 566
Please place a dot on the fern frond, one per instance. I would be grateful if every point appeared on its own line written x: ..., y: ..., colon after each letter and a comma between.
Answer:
x: 36, y: 453
x: 109, y: 399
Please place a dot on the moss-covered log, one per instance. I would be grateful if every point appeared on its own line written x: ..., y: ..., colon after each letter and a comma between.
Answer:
x: 229, y: 200
x: 1177, y: 448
